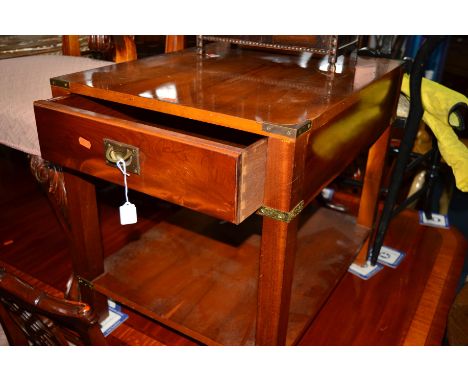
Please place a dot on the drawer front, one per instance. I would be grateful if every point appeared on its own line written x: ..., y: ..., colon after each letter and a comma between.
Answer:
x: 208, y: 176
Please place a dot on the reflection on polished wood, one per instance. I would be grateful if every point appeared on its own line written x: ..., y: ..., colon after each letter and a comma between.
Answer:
x: 237, y: 88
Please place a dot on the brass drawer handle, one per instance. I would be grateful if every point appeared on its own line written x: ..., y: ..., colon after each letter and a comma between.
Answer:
x: 114, y: 151
x: 114, y: 156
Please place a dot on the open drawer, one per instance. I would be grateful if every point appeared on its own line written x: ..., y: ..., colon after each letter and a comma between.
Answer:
x: 204, y: 167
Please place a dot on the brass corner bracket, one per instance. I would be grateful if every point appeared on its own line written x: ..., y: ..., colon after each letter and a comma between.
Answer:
x: 290, y: 131
x: 60, y: 83
x: 282, y: 216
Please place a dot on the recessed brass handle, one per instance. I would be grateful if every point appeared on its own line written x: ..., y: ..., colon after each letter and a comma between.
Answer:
x: 114, y: 151
x: 113, y: 155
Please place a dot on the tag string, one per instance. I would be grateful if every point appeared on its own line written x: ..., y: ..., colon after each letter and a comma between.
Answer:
x: 123, y: 169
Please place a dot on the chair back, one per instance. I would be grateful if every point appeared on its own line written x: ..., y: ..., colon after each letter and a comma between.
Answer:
x: 31, y: 317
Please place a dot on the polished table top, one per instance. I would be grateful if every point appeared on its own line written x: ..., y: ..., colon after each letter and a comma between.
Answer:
x: 237, y: 88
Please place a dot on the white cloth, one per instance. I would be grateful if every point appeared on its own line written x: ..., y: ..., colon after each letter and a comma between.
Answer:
x: 24, y: 80
x: 3, y: 339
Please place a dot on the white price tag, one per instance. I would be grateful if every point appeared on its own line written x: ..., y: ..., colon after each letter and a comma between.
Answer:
x: 437, y: 220
x: 128, y: 214
x: 389, y: 256
x: 364, y: 272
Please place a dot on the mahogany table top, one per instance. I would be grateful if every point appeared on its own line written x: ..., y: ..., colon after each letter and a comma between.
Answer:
x: 234, y: 87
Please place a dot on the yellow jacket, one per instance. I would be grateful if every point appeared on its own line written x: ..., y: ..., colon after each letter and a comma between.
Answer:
x: 437, y: 102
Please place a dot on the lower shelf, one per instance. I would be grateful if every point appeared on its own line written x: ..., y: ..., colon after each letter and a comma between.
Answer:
x: 199, y: 276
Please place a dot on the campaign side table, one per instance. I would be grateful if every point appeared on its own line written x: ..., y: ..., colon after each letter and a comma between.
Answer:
x: 243, y: 141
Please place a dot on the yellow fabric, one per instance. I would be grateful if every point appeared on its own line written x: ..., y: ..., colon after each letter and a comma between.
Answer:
x: 437, y: 101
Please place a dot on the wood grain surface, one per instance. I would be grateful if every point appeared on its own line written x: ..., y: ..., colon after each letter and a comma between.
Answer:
x: 283, y: 191
x: 404, y: 306
x: 199, y: 277
x: 194, y: 165
x: 235, y: 88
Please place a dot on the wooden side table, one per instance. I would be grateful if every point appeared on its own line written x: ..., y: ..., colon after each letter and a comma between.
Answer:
x: 223, y: 135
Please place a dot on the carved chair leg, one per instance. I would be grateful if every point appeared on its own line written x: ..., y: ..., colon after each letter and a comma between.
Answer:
x: 50, y: 178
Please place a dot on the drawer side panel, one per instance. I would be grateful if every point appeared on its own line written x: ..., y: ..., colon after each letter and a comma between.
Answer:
x: 252, y: 179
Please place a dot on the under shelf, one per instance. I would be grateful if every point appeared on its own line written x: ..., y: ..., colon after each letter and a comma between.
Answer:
x: 198, y: 275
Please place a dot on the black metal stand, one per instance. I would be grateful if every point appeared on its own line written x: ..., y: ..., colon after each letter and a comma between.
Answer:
x: 411, y: 129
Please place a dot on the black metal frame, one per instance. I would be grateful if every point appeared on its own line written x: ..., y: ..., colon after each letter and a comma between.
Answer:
x: 412, y: 124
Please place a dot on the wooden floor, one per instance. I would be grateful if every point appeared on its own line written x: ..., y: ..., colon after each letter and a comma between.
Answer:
x: 403, y: 306
x: 407, y: 305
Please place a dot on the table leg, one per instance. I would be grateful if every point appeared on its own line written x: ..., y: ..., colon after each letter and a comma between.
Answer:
x: 276, y: 271
x: 283, y: 191
x: 85, y: 244
x: 367, y: 215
